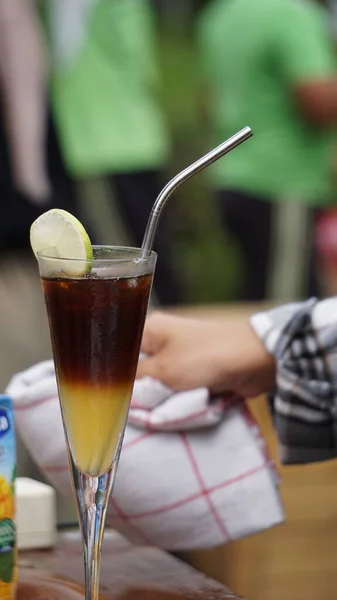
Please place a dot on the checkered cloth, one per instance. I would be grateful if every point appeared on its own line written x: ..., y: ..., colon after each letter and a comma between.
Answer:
x: 303, y: 339
x: 194, y: 471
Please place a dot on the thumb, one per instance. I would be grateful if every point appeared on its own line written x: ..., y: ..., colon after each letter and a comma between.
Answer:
x: 147, y: 367
x: 154, y: 335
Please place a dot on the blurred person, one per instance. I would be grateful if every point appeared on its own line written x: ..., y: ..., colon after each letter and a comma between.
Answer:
x: 104, y: 93
x: 33, y: 177
x: 326, y: 249
x: 271, y: 64
x: 289, y: 352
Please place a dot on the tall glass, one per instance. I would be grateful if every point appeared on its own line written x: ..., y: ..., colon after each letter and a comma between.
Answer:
x: 96, y: 324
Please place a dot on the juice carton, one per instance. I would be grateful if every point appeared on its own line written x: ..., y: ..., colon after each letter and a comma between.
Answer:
x: 8, y: 551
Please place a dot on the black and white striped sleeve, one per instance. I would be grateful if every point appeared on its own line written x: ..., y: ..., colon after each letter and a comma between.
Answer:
x: 303, y: 339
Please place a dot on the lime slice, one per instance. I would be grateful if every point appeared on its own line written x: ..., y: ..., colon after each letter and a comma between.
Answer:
x: 59, y: 234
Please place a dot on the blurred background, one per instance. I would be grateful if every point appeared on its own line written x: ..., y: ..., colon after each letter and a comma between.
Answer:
x: 102, y: 101
x: 50, y: 105
x: 101, y: 105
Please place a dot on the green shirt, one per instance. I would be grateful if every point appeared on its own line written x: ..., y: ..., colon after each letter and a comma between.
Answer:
x: 105, y: 100
x: 253, y: 52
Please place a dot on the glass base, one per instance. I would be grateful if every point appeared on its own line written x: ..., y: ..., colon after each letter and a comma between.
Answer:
x: 92, y: 496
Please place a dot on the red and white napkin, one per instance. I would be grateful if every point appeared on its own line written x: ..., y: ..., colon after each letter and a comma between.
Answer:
x: 194, y: 472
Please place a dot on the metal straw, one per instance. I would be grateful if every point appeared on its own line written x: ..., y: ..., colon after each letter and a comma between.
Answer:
x: 181, y: 178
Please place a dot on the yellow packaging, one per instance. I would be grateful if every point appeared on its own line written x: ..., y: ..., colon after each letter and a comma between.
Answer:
x: 8, y: 549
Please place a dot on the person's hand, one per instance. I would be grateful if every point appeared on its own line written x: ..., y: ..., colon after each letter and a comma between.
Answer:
x: 222, y: 356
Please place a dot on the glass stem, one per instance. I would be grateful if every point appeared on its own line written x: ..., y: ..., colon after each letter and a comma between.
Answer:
x: 92, y: 495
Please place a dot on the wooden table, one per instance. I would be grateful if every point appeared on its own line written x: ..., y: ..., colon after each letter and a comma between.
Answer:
x: 125, y: 567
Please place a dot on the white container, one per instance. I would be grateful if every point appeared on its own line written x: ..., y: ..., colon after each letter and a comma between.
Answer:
x: 35, y: 514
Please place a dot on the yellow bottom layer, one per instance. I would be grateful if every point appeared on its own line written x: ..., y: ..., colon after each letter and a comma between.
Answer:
x: 95, y: 419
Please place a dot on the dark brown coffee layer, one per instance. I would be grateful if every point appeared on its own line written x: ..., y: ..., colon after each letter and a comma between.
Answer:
x: 96, y: 327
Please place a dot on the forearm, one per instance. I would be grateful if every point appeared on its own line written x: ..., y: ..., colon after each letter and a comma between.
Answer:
x: 317, y: 101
